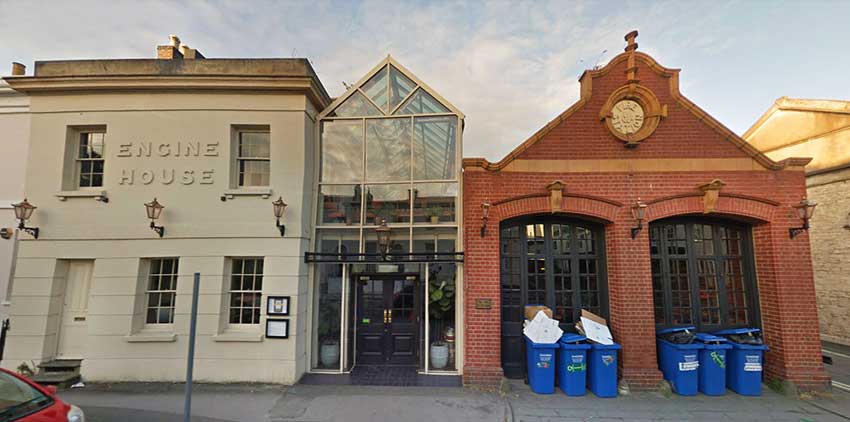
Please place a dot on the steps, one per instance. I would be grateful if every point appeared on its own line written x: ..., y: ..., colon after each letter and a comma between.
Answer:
x: 59, y: 372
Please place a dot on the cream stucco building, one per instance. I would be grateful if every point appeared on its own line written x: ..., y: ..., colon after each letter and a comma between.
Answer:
x: 215, y: 141
x: 364, y: 266
x: 819, y: 129
x: 14, y: 136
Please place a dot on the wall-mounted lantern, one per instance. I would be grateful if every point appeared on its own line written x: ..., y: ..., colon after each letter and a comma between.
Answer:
x: 279, y: 208
x: 383, y: 232
x: 23, y: 212
x: 154, y: 209
x: 805, y: 210
x: 638, y: 214
x: 485, y: 216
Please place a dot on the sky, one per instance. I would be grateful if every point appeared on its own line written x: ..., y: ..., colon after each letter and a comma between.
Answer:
x: 510, y: 66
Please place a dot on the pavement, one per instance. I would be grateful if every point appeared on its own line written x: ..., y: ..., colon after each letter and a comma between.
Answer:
x: 136, y: 402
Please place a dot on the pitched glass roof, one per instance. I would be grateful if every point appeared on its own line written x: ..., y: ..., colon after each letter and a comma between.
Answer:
x: 389, y: 92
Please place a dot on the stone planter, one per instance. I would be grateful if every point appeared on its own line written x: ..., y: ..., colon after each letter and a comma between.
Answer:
x: 439, y: 355
x: 329, y: 354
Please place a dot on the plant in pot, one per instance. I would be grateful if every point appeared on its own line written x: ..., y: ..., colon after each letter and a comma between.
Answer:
x: 434, y: 212
x: 329, y: 344
x: 440, y: 305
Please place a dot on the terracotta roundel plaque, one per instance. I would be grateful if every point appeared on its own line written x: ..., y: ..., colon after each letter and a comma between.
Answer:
x: 632, y: 114
x: 627, y: 116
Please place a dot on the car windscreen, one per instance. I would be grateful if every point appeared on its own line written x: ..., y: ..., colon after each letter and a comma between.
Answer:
x: 17, y: 398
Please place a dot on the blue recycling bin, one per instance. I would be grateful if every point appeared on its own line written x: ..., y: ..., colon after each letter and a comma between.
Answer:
x: 572, y: 364
x: 540, y: 359
x: 602, y: 369
x: 712, y: 364
x: 744, y: 362
x: 679, y: 362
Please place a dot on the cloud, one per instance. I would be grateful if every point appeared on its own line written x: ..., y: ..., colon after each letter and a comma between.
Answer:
x: 509, y: 66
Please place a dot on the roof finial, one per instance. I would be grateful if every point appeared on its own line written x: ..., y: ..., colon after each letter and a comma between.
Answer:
x: 630, y: 38
x: 631, y: 69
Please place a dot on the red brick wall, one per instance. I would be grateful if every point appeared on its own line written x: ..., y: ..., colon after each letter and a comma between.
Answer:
x: 762, y: 197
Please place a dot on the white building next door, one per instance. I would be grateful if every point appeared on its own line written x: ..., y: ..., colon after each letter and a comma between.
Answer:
x: 73, y: 332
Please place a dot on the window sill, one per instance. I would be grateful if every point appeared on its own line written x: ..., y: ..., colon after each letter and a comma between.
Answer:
x: 265, y: 193
x: 144, y: 337
x: 238, y: 337
x: 98, y: 195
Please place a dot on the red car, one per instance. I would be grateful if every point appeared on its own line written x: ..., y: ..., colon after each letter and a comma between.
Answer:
x: 25, y: 401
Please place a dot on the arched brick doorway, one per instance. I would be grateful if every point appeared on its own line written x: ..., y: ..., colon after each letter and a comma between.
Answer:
x: 555, y: 261
x: 703, y: 273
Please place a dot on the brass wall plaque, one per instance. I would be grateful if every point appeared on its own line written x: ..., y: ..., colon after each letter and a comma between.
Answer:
x: 483, y: 303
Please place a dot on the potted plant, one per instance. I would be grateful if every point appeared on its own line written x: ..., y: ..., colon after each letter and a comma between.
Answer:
x: 434, y: 212
x: 328, y: 344
x: 440, y: 304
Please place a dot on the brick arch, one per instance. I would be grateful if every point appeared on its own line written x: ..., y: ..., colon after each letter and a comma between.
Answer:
x: 761, y: 210
x: 588, y: 206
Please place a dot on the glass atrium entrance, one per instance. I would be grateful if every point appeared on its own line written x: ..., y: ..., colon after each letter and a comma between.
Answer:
x: 387, y: 266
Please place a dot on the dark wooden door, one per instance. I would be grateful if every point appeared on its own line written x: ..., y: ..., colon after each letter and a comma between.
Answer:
x: 387, y: 321
x: 549, y: 261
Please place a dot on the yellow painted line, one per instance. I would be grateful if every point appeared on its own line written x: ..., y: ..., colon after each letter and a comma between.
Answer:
x: 841, y: 386
x: 836, y: 353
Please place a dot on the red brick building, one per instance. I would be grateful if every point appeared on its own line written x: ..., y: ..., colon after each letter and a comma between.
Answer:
x: 713, y: 249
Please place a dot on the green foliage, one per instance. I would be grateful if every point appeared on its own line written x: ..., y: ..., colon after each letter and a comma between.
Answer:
x: 328, y: 318
x: 442, y: 299
x: 434, y: 211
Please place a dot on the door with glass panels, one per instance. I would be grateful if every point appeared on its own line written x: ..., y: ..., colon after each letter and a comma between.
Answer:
x: 555, y: 262
x: 387, y: 320
x: 702, y: 274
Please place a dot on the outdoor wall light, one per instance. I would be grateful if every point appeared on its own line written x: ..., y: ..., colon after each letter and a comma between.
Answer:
x: 154, y: 209
x: 847, y: 222
x: 639, y: 214
x: 485, y: 216
x: 23, y: 212
x: 383, y: 232
x: 805, y: 210
x: 279, y: 208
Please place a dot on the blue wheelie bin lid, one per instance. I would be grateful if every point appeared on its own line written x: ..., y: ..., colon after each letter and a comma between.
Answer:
x: 573, y: 342
x: 675, y: 330
x: 572, y: 338
x: 739, y: 331
x: 541, y: 345
x: 708, y: 338
x: 713, y: 342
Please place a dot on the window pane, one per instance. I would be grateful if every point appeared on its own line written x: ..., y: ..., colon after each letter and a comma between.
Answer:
x: 254, y: 144
x: 434, y: 202
x: 422, y: 103
x: 342, y: 151
x: 246, y: 290
x: 376, y: 89
x: 84, y: 146
x: 387, y: 202
x: 355, y: 106
x: 327, y: 316
x: 253, y: 173
x: 434, y: 148
x: 400, y: 87
x: 388, y: 150
x: 340, y: 204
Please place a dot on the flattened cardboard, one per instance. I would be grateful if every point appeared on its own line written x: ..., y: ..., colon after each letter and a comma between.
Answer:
x: 531, y: 311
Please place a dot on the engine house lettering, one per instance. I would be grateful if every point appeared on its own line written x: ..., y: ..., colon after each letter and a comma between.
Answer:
x: 167, y: 150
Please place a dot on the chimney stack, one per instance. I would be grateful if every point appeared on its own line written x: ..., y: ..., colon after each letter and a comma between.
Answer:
x: 171, y: 51
x: 190, y: 53
x: 18, y: 69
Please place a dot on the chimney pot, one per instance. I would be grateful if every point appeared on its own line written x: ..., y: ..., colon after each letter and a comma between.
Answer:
x: 18, y: 69
x: 175, y: 41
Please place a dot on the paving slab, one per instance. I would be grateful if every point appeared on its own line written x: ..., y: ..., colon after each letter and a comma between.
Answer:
x: 527, y: 406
